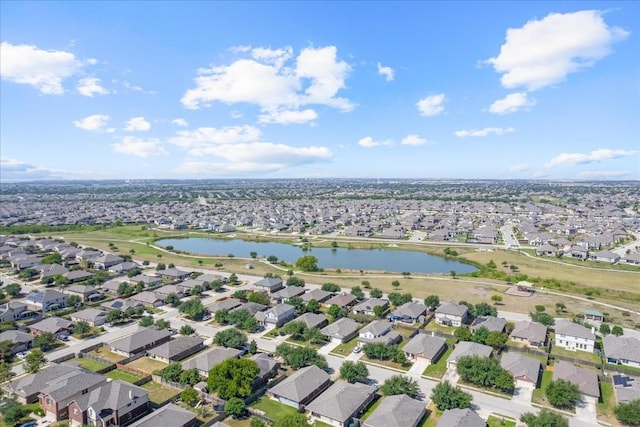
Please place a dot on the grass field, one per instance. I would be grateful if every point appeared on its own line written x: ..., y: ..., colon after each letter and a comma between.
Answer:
x: 438, y: 369
x: 122, y: 375
x: 273, y: 409
x: 147, y: 364
x: 346, y: 348
x: 494, y: 421
x: 159, y: 393
x: 387, y: 363
x: 605, y: 408
x: 579, y: 355
x: 92, y: 365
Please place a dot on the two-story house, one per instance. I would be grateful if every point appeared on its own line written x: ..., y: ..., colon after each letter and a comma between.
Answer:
x: 379, y: 331
x: 46, y: 300
x: 451, y: 314
x: 56, y: 396
x: 573, y: 336
x: 276, y: 316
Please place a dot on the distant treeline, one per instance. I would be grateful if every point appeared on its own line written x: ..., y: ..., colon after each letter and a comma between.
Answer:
x: 44, y: 228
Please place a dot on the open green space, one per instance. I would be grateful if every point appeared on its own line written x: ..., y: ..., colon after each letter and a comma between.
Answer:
x: 437, y: 370
x: 578, y: 355
x: 147, y: 364
x: 92, y: 365
x: 159, y: 393
x: 272, y: 408
x: 496, y: 421
x: 117, y: 374
x: 538, y: 393
x: 107, y: 354
x: 346, y: 348
x: 607, y: 403
x: 388, y: 363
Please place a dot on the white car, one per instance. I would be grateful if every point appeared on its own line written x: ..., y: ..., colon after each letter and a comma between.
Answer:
x: 206, y: 317
x: 357, y: 349
x: 22, y: 355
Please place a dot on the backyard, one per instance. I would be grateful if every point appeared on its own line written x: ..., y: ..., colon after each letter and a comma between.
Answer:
x: 91, y: 365
x: 105, y: 353
x: 159, y: 393
x: 117, y: 374
x: 148, y: 365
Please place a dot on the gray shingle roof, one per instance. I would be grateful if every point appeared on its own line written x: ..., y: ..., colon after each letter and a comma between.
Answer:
x: 61, y: 389
x: 410, y: 309
x: 460, y: 418
x: 90, y: 314
x: 170, y: 415
x: 265, y: 363
x: 567, y: 327
x: 175, y: 347
x: 52, y: 324
x: 341, y: 328
x: 585, y: 379
x: 301, y: 384
x: 377, y: 327
x: 311, y: 320
x: 489, y: 322
x: 342, y: 400
x: 228, y: 304
x: 141, y: 338
x: 207, y: 360
x: 425, y: 345
x: 521, y: 366
x: 113, y: 395
x: 468, y: 348
x: 531, y: 331
x: 397, y: 411
x: 34, y: 383
x: 370, y: 304
x: 452, y: 308
x: 16, y: 337
x: 316, y: 294
x: 622, y: 348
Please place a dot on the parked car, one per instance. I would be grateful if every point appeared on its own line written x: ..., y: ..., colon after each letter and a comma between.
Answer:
x: 22, y: 354
x: 206, y: 317
x: 29, y: 424
x: 357, y: 349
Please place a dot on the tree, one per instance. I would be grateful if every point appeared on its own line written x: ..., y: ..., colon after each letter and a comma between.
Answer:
x: 12, y: 412
x: 395, y: 284
x: 72, y: 300
x: 133, y: 272
x: 52, y: 258
x: 13, y: 289
x: 562, y: 394
x: 463, y: 334
x: 379, y: 351
x: 314, y: 336
x: 353, y: 371
x: 298, y: 303
x: 543, y: 318
x: 298, y: 357
x: 452, y: 273
x: 295, y: 281
x: 375, y: 293
x: 171, y: 372
x: 189, y: 377
x: 540, y: 308
x: 233, y: 279
x: 484, y: 309
x: 146, y: 321
x: 295, y: 328
x: 5, y: 350
x: 357, y: 292
x: 193, y: 309
x: 432, y: 302
x: 330, y: 287
x: 5, y: 372
x: 480, y: 335
x: 190, y: 396
x: 496, y: 299
x: 253, y: 347
x: 605, y: 329
x: 496, y: 339
x: 628, y: 412
x: 545, y: 418
x: 295, y: 419
x: 446, y: 396
x: 235, y: 407
x: 484, y: 371
x: 197, y: 290
x: 232, y: 378
x: 221, y: 316
x: 617, y: 331
x: 560, y: 307
x: 397, y: 299
x: 125, y: 290
x: 172, y: 299
x: 81, y: 328
x: 400, y: 384
x: 230, y: 338
x: 313, y: 306
x: 45, y: 341
x: 253, y: 254
x: 379, y: 311
x: 162, y: 324
x: 161, y: 266
x: 187, y: 330
x: 257, y: 422
x: 258, y: 298
x: 307, y: 263
x: 34, y: 361
x: 336, y: 311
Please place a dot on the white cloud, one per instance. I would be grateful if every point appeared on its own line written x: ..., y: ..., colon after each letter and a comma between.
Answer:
x: 90, y: 86
x: 95, y: 123
x: 137, y: 88
x: 139, y: 147
x: 596, y: 156
x: 206, y: 140
x: 286, y: 117
x: 483, y: 132
x: 43, y: 69
x: 414, y: 140
x: 235, y: 114
x: 512, y: 103
x: 387, y: 72
x: 137, y: 124
x: 604, y: 174
x: 518, y: 168
x: 544, y: 52
x: 270, y: 79
x: 540, y: 174
x: 180, y: 122
x: 369, y: 142
x: 431, y: 105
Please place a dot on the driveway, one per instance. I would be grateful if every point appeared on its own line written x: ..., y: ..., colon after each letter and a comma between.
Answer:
x: 451, y: 375
x: 523, y: 395
x: 586, y: 410
x: 418, y: 367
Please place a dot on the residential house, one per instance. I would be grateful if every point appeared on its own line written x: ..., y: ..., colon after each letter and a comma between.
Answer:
x: 493, y: 324
x: 169, y: 415
x: 164, y: 291
x: 379, y: 331
x: 123, y: 267
x: 573, y: 336
x: 251, y: 307
x: 585, y: 379
x: 425, y: 346
x: 176, y: 349
x: 341, y: 300
x: 21, y: 340
x: 276, y: 316
x: 27, y: 388
x: 460, y: 418
x: 367, y: 306
x: 410, y: 312
x: 52, y: 270
x: 85, y: 292
x: 141, y: 340
x: 147, y: 299
x: 467, y: 348
x: 594, y: 315
x: 285, y: 294
x: 579, y: 252
x: 301, y: 387
x: 225, y: 304
x: 92, y: 316
x: 56, y: 396
x: 147, y: 281
x: 525, y: 370
x: 341, y: 402
x: 173, y: 274
x: 46, y: 300
x: 531, y: 333
x: 451, y: 314
x: 622, y: 350
x: 626, y: 388
x: 54, y: 325
x: 203, y: 362
x: 111, y: 286
x: 120, y: 304
x: 115, y: 403
x: 547, y: 250
x: 342, y: 330
x: 77, y: 275
x: 12, y: 310
x: 397, y: 411
x: 316, y: 294
x: 267, y: 366
x: 269, y: 284
x: 605, y: 256
x: 313, y: 320
x: 107, y: 260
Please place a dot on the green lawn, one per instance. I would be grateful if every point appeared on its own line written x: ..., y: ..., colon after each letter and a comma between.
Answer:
x: 389, y: 363
x: 438, y: 369
x: 273, y: 409
x: 579, y: 355
x: 433, y: 326
x: 122, y: 375
x: 607, y: 404
x: 346, y: 348
x: 496, y: 421
x: 92, y: 365
x: 159, y: 393
x: 612, y: 367
x: 274, y: 333
x: 371, y: 408
x: 538, y: 394
x: 105, y: 353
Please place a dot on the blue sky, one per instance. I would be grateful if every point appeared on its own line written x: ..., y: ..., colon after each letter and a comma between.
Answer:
x: 98, y: 90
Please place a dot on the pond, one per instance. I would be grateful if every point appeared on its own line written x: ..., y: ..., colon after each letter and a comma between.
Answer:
x: 390, y: 260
